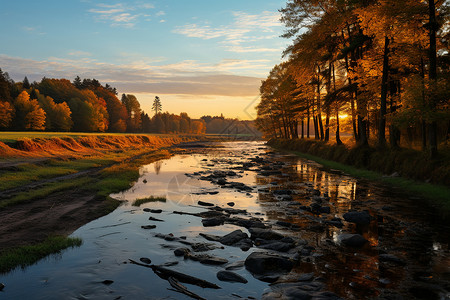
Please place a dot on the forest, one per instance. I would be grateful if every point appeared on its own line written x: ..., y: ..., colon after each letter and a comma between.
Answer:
x: 376, y: 69
x: 86, y: 105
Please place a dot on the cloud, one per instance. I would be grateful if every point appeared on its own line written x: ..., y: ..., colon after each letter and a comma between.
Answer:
x: 186, y: 77
x: 245, y: 29
x: 120, y: 14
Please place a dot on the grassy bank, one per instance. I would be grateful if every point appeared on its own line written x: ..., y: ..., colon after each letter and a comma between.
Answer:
x: 357, y: 162
x: 102, y: 165
x: 28, y: 255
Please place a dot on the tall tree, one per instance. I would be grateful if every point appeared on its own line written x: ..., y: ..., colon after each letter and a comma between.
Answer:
x: 157, y: 106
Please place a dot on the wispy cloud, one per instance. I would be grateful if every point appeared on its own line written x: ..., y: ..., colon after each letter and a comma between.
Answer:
x: 121, y: 14
x: 238, y: 35
x: 187, y: 77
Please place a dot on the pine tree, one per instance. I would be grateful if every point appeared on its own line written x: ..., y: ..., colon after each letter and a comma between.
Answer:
x: 157, y: 106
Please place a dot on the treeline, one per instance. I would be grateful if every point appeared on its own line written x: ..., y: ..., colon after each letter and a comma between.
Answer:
x: 81, y: 106
x: 222, y: 125
x: 380, y: 66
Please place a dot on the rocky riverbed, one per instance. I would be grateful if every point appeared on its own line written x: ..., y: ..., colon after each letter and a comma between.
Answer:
x: 244, y: 222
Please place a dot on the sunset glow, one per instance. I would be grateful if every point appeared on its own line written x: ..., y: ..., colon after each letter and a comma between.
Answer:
x: 192, y: 54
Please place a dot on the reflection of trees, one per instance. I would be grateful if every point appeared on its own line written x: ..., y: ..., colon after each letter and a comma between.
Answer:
x: 157, y: 165
x: 340, y: 265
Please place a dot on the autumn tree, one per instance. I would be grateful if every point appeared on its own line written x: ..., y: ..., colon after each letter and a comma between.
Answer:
x: 6, y: 114
x: 29, y: 115
x: 134, y: 112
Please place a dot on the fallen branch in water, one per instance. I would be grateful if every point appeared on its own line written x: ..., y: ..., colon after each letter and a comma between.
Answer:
x: 178, y: 287
x: 166, y: 273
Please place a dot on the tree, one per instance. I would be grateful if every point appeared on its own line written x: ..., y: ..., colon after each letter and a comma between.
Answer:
x: 58, y: 116
x: 157, y: 106
x: 134, y: 112
x: 26, y: 83
x: 29, y: 115
x: 6, y: 114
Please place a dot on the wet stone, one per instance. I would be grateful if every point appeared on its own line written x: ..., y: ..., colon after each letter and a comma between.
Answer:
x: 236, y: 265
x: 181, y: 252
x: 202, y: 203
x: 155, y: 219
x: 210, y: 237
x: 148, y: 226
x: 107, y: 282
x: 352, y: 240
x: 145, y: 260
x: 230, y: 204
x: 210, y: 222
x: 233, y: 237
x: 208, y: 259
x: 230, y: 277
x: 265, y: 263
x: 357, y: 217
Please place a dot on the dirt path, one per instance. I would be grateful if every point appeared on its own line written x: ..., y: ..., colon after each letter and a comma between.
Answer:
x: 60, y: 213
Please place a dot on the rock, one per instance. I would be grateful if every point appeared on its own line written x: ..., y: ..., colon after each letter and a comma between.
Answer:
x: 148, y: 226
x: 266, y: 264
x: 230, y: 277
x: 325, y: 209
x: 358, y: 217
x: 274, y: 245
x: 203, y: 247
x: 230, y: 204
x: 222, y: 181
x: 210, y: 237
x: 306, y: 277
x: 202, y: 203
x: 352, y: 240
x: 107, y: 282
x: 284, y: 224
x: 236, y: 265
x: 210, y: 222
x: 208, y: 259
x: 155, y: 219
x: 233, y: 237
x: 181, y: 252
x: 145, y: 260
x: 265, y: 234
x: 2, y: 286
x: 391, y: 258
x: 155, y: 211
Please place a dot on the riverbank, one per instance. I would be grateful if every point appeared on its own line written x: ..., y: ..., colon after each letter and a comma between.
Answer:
x: 407, y: 169
x: 69, y: 179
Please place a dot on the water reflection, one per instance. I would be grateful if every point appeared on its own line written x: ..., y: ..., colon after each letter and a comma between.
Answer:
x: 400, y: 227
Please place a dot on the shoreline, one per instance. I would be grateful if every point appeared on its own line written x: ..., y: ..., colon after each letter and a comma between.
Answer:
x: 436, y: 195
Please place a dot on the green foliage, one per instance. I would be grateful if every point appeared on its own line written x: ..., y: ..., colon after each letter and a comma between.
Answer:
x: 139, y: 202
x: 28, y: 255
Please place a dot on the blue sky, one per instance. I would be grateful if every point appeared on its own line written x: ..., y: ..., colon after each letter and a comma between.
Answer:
x: 201, y: 57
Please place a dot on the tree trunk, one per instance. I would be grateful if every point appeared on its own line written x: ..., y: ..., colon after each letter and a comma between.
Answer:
x: 327, y: 128
x: 319, y: 121
x: 316, y: 128
x: 384, y: 90
x: 303, y: 128
x: 362, y: 131
x: 433, y: 27
x: 338, y: 137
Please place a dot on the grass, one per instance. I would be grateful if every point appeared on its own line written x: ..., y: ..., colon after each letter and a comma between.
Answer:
x: 139, y: 202
x: 44, y: 191
x: 12, y: 136
x: 437, y: 195
x: 28, y: 255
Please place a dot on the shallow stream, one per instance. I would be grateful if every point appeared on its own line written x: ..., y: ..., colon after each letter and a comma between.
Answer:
x: 407, y: 254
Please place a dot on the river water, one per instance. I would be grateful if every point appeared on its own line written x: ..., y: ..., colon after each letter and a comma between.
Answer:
x: 415, y: 244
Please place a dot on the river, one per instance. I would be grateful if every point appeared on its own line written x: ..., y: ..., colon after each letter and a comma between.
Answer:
x: 406, y: 255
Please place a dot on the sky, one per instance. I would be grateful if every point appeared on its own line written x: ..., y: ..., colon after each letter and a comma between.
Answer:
x: 203, y: 57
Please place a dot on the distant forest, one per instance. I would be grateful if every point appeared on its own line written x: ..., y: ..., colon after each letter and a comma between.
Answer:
x: 88, y: 106
x: 378, y: 69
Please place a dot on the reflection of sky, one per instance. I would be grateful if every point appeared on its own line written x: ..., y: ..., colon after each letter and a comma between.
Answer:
x: 108, y: 242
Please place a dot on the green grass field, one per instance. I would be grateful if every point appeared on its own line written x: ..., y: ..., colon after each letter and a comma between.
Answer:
x: 11, y: 136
